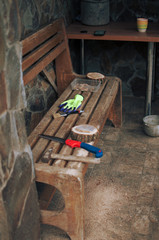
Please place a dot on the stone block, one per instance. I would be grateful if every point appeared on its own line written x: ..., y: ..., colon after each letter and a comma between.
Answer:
x: 3, y: 95
x: 2, y: 50
x: 46, y: 10
x: 36, y: 100
x: 16, y: 189
x: 18, y: 130
x: 15, y: 88
x: 10, y: 21
x: 30, y: 16
x: 29, y: 227
x: 5, y: 145
x: 21, y: 131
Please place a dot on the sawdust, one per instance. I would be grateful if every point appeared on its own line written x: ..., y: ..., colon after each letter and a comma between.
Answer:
x: 107, y: 201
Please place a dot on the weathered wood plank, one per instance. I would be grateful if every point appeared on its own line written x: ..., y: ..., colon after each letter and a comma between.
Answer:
x: 51, y: 77
x: 31, y: 42
x: 41, y: 51
x: 105, y: 103
x: 42, y: 63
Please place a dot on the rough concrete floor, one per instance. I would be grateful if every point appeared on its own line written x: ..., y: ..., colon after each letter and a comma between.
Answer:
x: 122, y: 193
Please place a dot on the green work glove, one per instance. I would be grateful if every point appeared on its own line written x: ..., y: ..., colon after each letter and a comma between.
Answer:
x: 71, y: 104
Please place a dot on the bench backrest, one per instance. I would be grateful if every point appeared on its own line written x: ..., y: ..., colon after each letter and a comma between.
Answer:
x: 44, y: 46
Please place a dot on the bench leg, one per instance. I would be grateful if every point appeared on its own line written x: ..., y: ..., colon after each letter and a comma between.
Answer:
x: 115, y: 114
x: 70, y: 183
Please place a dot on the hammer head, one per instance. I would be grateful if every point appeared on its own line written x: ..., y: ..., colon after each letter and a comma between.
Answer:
x: 47, y: 156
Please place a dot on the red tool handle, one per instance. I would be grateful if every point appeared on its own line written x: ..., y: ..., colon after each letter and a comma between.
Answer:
x: 72, y: 143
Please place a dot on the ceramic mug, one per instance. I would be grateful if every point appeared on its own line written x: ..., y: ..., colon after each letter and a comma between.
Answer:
x: 142, y: 24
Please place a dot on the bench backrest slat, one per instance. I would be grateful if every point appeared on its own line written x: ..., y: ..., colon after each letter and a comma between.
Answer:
x: 40, y: 36
x: 42, y: 63
x: 41, y: 51
x: 42, y: 48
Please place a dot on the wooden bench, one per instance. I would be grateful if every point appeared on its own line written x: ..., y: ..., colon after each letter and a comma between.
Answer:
x: 39, y: 50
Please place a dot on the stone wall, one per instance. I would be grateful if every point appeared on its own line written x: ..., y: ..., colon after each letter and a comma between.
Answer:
x: 35, y: 14
x: 19, y: 209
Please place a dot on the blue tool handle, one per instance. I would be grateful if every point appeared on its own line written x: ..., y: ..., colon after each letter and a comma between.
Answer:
x: 98, y: 152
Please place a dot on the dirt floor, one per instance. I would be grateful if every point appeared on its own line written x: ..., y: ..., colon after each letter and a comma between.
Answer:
x: 122, y: 193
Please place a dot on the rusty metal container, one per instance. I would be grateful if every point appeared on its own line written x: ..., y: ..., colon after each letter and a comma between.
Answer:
x: 95, y: 12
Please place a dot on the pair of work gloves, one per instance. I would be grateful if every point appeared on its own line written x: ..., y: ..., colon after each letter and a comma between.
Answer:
x: 71, y: 105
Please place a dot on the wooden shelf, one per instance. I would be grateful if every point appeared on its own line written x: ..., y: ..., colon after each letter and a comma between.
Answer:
x: 119, y: 31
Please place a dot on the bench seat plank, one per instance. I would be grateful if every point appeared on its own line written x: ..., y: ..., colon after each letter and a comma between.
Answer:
x: 105, y: 103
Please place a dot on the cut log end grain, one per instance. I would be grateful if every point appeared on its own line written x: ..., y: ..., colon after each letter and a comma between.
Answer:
x: 84, y: 133
x: 96, y: 76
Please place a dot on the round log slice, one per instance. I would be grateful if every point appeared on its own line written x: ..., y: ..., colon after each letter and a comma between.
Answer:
x: 84, y: 133
x: 96, y: 76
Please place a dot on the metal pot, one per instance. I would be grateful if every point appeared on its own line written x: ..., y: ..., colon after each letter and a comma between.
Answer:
x: 95, y: 12
x: 151, y: 125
